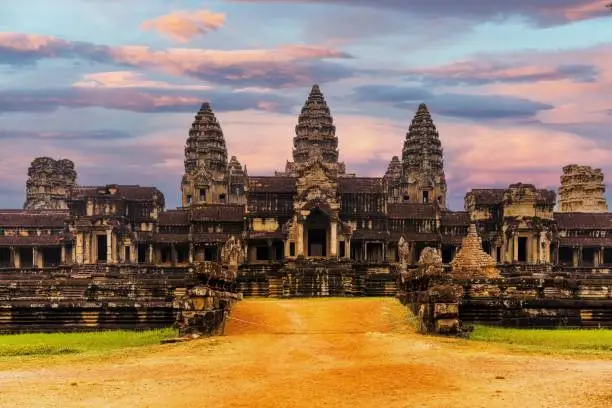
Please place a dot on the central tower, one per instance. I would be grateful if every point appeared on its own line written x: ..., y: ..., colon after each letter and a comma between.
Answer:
x: 316, y: 207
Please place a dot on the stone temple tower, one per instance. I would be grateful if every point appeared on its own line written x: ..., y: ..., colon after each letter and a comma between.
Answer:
x: 206, y: 166
x: 582, y: 190
x: 423, y: 179
x: 49, y: 184
x: 315, y: 134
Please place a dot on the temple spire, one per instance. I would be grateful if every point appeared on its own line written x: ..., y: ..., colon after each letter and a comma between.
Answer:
x: 422, y: 160
x: 206, y: 165
x: 315, y: 131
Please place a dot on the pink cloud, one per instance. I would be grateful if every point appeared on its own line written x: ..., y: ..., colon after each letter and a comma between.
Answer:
x: 183, y: 25
x: 580, y: 11
x: 288, y: 65
x: 129, y: 79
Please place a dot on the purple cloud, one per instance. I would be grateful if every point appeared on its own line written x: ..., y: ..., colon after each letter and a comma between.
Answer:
x: 479, y: 107
x: 137, y: 100
x: 285, y: 66
x: 542, y: 12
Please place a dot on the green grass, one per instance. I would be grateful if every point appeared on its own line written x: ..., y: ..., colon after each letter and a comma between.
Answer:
x: 554, y: 340
x: 43, y: 344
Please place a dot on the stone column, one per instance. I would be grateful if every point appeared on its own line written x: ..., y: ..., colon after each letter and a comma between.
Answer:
x: 347, y: 249
x: 299, y: 245
x: 191, y: 252
x: 173, y: 254
x: 515, y: 247
x: 333, y: 240
x: 600, y: 253
x: 16, y: 258
x: 85, y: 255
x: 109, y: 247
x: 63, y: 255
x: 576, y: 256
x: 36, y: 257
x: 365, y: 250
x: 12, y: 257
x: 151, y: 261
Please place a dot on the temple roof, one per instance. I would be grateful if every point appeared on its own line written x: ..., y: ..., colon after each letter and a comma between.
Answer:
x: 394, y: 170
x: 372, y: 185
x: 455, y: 218
x: 487, y: 196
x: 272, y: 184
x: 412, y: 210
x: 174, y: 217
x: 32, y: 218
x: 125, y: 192
x: 599, y: 221
x: 218, y: 212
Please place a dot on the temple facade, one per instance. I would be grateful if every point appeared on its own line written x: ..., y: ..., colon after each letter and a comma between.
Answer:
x: 312, y: 229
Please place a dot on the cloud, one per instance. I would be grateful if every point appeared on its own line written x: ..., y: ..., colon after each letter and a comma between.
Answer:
x: 543, y: 12
x: 481, y: 107
x: 481, y: 72
x: 129, y: 79
x: 183, y: 25
x: 135, y: 100
x: 103, y: 134
x: 285, y: 66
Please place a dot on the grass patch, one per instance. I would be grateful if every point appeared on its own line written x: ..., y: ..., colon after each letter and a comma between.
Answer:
x: 554, y: 340
x: 48, y: 344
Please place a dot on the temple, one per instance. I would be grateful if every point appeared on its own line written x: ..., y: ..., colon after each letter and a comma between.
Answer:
x: 311, y: 230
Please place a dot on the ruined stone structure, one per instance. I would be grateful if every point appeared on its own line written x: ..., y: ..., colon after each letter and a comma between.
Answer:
x: 582, y: 190
x: 311, y: 230
x: 49, y: 184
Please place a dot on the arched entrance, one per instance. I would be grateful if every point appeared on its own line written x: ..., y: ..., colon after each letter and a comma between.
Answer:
x: 316, y: 233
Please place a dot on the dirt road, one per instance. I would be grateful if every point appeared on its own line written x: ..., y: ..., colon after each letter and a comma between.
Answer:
x: 313, y: 353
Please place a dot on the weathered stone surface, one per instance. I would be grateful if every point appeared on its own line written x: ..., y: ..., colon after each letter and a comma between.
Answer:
x: 582, y: 190
x: 471, y: 261
x: 49, y: 184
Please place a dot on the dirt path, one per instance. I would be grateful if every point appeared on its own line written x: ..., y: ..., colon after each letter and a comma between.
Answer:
x: 312, y: 353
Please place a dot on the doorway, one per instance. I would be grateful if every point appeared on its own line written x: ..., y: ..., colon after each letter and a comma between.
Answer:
x: 102, y: 248
x: 317, y: 242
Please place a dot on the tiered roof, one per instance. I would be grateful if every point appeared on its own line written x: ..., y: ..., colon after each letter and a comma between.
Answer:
x: 422, y: 147
x: 315, y: 130
x: 206, y: 142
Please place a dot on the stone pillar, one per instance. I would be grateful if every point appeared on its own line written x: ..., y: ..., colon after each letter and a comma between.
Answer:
x: 151, y: 260
x: 173, y: 255
x: 515, y: 247
x: 12, y: 257
x: 37, y: 257
x: 16, y: 258
x: 333, y: 240
x: 384, y: 252
x: 576, y: 252
x: 109, y: 247
x: 63, y: 255
x: 347, y: 249
x: 191, y: 252
x: 299, y: 245
x: 86, y: 250
x: 601, y: 256
x: 365, y: 250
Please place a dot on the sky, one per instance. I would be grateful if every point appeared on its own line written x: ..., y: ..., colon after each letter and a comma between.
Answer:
x: 517, y: 89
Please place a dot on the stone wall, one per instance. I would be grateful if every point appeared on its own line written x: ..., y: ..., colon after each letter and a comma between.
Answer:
x: 530, y: 301
x: 317, y: 277
x: 96, y: 297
